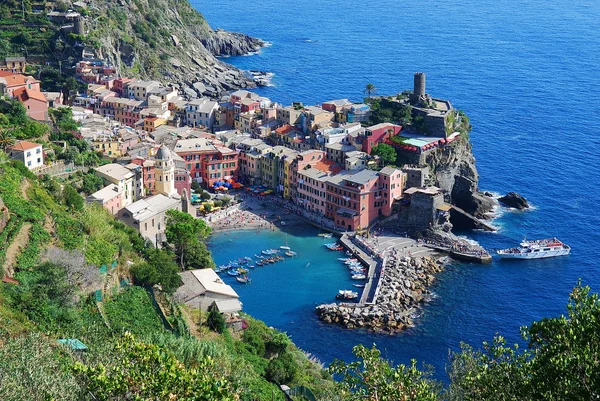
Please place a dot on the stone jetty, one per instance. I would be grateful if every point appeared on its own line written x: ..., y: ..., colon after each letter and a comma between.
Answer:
x: 403, y: 287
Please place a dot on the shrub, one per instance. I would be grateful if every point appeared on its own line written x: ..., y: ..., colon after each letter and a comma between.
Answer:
x: 216, y: 321
x: 282, y: 369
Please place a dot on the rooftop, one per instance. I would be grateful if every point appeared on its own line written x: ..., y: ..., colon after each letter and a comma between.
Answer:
x: 105, y: 194
x: 146, y: 208
x: 24, y: 145
x: 115, y: 171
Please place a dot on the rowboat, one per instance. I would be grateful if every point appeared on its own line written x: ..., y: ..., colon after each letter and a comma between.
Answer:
x: 290, y: 253
x: 243, y: 279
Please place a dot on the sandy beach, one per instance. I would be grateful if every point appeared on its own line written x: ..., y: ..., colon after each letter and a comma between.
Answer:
x: 253, y: 213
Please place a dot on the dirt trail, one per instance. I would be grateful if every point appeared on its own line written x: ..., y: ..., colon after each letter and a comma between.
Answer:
x: 24, y: 187
x: 14, y: 250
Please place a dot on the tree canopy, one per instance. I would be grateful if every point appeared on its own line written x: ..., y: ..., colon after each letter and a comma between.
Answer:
x: 386, y: 152
x: 185, y: 232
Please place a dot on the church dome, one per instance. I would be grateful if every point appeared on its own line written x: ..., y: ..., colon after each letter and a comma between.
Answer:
x: 163, y: 153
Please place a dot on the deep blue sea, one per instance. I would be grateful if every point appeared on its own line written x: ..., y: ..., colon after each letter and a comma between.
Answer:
x: 528, y: 75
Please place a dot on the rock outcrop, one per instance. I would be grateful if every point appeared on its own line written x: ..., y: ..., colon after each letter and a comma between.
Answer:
x: 513, y: 199
x: 170, y: 42
x: 403, y: 288
x: 452, y: 168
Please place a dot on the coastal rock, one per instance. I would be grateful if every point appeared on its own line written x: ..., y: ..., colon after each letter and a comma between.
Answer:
x: 513, y: 199
x: 189, y: 51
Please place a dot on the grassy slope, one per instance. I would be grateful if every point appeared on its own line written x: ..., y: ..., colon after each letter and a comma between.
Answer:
x: 40, y: 304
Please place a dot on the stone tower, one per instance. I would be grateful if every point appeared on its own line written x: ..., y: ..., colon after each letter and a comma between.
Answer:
x: 419, y: 95
x: 78, y: 25
x: 419, y: 89
x: 164, y: 170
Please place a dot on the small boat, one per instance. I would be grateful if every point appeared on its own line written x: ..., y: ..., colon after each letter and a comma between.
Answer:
x: 359, y: 285
x: 325, y: 235
x: 258, y: 256
x: 233, y: 272
x: 282, y: 223
x: 358, y: 277
x: 242, y: 271
x: 251, y: 266
x: 350, y: 261
x: 287, y: 248
x: 544, y: 248
x: 346, y: 294
x: 343, y: 259
x: 270, y: 252
x: 290, y: 253
x: 308, y: 264
x: 243, y: 279
x: 259, y: 264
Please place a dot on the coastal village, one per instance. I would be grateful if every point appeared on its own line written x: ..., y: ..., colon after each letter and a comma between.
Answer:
x: 166, y: 147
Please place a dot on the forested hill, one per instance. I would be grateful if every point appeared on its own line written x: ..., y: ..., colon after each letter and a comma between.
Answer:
x: 159, y: 39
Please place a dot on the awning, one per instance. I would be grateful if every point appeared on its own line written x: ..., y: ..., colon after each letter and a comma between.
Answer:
x: 228, y: 305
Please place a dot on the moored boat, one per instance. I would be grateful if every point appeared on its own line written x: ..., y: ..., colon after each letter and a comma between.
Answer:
x: 536, y: 249
x: 243, y: 279
x: 359, y: 285
x: 358, y: 277
x: 290, y: 253
x: 346, y: 294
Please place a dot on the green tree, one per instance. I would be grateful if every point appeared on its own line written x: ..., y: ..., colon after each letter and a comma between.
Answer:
x: 198, y: 257
x: 369, y: 89
x: 91, y: 183
x: 216, y: 321
x: 71, y: 198
x: 373, y: 378
x: 386, y: 152
x: 159, y: 268
x: 559, y: 363
x: 282, y: 369
x: 184, y: 232
x: 151, y: 372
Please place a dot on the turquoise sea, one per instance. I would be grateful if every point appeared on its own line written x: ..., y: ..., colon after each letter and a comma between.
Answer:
x: 528, y: 75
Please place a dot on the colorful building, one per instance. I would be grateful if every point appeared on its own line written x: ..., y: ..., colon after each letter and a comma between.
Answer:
x: 377, y: 134
x: 355, y: 200
x: 207, y: 160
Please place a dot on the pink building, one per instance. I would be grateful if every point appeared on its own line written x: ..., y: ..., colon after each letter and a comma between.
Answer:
x: 183, y: 180
x: 377, y: 134
x: 147, y: 173
x: 109, y: 197
x: 34, y: 101
x: 356, y: 200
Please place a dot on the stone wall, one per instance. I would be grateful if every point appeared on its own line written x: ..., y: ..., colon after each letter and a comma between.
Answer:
x: 4, y: 216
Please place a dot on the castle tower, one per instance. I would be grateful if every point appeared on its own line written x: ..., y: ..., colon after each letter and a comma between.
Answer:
x: 419, y: 89
x: 419, y: 95
x: 164, y: 170
x: 78, y: 25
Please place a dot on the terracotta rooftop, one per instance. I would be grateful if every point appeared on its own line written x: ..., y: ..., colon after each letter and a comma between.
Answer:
x: 23, y: 94
x: 13, y: 79
x: 286, y: 129
x: 25, y: 145
x: 328, y: 165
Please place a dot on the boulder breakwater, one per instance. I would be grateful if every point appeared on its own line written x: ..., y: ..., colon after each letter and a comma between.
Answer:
x: 402, y: 288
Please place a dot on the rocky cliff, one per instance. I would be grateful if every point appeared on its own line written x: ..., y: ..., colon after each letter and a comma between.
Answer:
x: 453, y: 169
x: 167, y: 40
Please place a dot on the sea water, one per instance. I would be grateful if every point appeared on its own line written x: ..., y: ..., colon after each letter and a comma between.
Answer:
x: 527, y: 74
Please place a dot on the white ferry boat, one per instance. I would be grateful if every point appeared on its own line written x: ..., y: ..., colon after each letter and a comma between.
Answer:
x: 544, y: 248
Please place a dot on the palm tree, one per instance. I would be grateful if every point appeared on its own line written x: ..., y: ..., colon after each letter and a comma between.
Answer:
x: 6, y: 139
x: 369, y: 89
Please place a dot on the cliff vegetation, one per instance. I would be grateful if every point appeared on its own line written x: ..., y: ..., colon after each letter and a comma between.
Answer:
x: 166, y: 40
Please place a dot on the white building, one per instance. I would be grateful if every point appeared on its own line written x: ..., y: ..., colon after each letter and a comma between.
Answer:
x: 139, y: 90
x: 125, y: 179
x: 148, y: 216
x: 29, y: 153
x: 201, y: 112
x: 203, y: 288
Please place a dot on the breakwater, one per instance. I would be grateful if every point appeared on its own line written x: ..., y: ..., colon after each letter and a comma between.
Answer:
x: 403, y: 286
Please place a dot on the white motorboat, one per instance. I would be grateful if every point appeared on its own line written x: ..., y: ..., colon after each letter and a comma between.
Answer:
x: 537, y: 249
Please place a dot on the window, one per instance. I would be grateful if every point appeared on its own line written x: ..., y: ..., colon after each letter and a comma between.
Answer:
x: 28, y: 154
